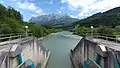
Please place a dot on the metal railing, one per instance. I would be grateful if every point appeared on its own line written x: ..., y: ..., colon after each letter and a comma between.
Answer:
x: 108, y: 37
x: 115, y: 38
x: 8, y: 37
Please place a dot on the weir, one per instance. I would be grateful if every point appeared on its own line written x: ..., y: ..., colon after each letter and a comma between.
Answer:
x: 84, y: 52
x: 93, y: 52
x: 23, y: 53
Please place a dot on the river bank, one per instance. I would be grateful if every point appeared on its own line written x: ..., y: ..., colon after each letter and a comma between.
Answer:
x: 52, y: 34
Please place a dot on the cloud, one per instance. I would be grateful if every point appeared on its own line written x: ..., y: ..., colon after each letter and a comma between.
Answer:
x: 27, y: 6
x: 73, y: 16
x: 59, y: 11
x: 49, y: 2
x: 72, y: 8
x: 89, y: 7
x: 63, y: 1
x: 80, y: 3
x: 40, y: 11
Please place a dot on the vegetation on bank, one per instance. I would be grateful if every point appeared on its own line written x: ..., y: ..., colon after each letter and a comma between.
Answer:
x: 106, y: 23
x: 11, y: 21
x: 101, y: 30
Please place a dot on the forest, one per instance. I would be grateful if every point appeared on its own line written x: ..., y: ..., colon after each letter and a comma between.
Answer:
x: 106, y: 23
x: 11, y: 21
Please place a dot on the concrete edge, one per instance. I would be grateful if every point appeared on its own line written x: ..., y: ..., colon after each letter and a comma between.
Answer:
x: 46, y: 61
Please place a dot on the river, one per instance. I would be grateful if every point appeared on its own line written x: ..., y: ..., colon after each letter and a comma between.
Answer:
x: 60, y: 45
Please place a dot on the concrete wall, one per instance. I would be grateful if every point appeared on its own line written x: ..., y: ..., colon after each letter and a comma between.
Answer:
x: 14, y: 62
x: 35, y: 51
x: 77, y: 55
x: 85, y: 49
x: 88, y: 49
x: 31, y: 49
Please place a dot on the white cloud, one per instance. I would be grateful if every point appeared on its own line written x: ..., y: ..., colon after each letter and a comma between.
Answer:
x: 40, y: 11
x: 64, y: 1
x: 59, y: 11
x: 31, y: 7
x: 73, y: 16
x: 90, y: 7
x: 72, y: 8
x: 27, y: 6
x: 80, y: 3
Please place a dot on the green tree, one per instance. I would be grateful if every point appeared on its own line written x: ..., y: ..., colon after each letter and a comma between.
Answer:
x: 5, y: 29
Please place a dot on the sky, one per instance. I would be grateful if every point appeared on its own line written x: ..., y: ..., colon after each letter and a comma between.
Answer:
x: 75, y: 8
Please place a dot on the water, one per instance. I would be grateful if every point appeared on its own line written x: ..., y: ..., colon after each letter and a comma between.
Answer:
x: 60, y: 46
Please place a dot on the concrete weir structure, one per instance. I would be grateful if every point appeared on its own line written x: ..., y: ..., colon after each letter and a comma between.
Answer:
x: 96, y: 53
x: 23, y: 53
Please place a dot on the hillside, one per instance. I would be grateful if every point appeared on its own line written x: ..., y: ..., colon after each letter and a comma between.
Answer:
x: 11, y: 21
x: 109, y: 18
x: 53, y: 19
x: 106, y: 23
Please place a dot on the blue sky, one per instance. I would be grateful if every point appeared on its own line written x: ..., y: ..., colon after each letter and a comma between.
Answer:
x: 75, y: 8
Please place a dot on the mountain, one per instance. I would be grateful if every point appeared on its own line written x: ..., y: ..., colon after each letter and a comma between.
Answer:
x: 114, y: 10
x: 110, y: 18
x: 53, y: 19
x: 11, y: 22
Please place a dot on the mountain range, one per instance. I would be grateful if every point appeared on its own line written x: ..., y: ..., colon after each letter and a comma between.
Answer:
x: 53, y: 19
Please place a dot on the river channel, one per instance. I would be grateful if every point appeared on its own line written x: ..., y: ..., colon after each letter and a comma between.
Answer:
x: 60, y: 45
